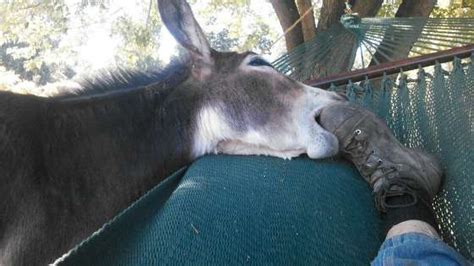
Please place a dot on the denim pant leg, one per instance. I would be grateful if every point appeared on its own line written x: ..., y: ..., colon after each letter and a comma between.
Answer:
x: 417, y: 249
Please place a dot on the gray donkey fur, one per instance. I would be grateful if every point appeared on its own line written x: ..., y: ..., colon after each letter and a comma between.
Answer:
x: 70, y: 163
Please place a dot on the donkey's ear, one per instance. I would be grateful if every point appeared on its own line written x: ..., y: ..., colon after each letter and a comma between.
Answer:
x: 179, y: 19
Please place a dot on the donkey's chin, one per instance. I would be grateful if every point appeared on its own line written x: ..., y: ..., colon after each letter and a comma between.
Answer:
x: 325, y: 145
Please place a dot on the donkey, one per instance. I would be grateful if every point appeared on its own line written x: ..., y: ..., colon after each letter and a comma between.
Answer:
x: 70, y: 163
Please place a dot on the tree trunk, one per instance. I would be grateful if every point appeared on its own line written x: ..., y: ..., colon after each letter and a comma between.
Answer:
x: 340, y: 57
x: 415, y: 8
x: 331, y: 12
x: 367, y: 8
x: 287, y: 14
x: 408, y: 8
x: 307, y: 23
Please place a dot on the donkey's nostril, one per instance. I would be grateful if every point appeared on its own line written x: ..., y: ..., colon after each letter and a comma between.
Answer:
x: 317, y: 118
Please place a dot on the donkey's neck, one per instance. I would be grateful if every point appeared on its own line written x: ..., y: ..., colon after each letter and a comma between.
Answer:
x: 106, y: 153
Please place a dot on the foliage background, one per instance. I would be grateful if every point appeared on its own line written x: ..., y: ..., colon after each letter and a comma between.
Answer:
x: 45, y: 44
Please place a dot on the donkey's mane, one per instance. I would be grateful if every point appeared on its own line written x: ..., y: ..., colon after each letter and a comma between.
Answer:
x: 110, y: 82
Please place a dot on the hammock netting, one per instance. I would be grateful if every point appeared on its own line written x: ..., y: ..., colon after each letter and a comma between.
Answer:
x: 432, y: 109
x: 233, y: 210
x: 357, y: 44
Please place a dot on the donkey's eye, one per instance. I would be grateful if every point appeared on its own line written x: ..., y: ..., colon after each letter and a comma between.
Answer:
x: 259, y: 62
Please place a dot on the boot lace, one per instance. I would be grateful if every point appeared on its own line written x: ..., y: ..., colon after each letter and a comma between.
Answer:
x: 387, y: 183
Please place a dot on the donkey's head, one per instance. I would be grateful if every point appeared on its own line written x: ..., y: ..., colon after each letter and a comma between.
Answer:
x: 246, y: 106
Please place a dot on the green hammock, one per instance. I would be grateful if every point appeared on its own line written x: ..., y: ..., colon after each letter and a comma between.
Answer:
x: 266, y: 211
x: 431, y: 109
x: 434, y: 112
x: 236, y: 210
x: 262, y: 210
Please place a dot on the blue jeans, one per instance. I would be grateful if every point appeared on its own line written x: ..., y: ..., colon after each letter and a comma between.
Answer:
x: 417, y: 249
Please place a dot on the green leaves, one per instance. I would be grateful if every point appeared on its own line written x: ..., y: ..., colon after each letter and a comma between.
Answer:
x: 28, y: 32
x: 53, y: 40
x: 140, y: 42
